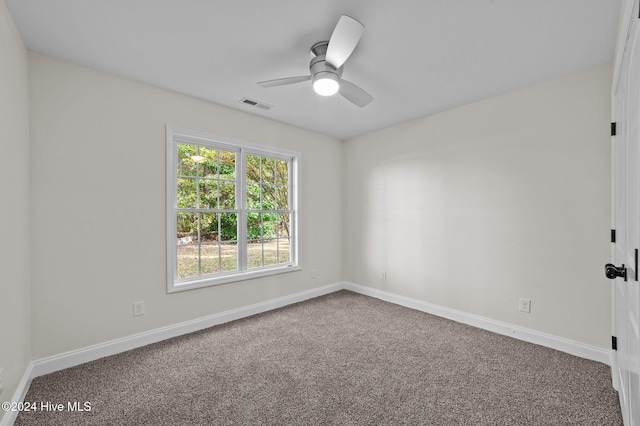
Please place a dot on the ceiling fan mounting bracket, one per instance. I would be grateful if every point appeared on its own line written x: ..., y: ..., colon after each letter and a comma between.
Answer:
x: 319, y: 48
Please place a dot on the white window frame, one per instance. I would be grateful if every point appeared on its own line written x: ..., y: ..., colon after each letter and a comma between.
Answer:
x: 174, y: 136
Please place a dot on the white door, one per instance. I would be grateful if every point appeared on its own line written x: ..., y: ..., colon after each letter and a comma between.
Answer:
x: 626, y: 219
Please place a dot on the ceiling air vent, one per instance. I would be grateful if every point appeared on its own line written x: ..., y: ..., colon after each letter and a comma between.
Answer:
x: 255, y: 103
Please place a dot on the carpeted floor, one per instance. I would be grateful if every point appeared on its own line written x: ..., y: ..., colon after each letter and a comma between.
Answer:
x: 341, y: 359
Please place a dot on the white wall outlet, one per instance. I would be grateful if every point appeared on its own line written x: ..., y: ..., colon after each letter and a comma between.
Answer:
x: 138, y: 309
x: 314, y: 274
x: 525, y: 305
x: 383, y: 276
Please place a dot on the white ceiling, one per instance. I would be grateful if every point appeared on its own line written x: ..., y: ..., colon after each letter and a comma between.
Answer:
x: 416, y: 57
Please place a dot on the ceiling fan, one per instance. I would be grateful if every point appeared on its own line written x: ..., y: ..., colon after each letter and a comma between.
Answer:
x: 327, y: 60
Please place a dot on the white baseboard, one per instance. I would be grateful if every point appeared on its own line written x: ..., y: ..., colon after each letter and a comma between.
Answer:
x: 91, y: 353
x: 10, y: 416
x: 543, y: 339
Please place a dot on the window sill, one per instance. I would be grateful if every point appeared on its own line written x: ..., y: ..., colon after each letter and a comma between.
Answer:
x: 224, y: 279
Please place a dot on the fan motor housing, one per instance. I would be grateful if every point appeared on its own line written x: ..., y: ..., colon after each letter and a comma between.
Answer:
x: 318, y: 65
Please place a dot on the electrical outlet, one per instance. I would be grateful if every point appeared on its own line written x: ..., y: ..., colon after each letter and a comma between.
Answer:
x: 138, y: 309
x: 314, y: 274
x: 525, y: 305
x: 383, y: 276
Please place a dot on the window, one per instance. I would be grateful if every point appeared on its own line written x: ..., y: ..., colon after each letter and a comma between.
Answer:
x: 231, y: 210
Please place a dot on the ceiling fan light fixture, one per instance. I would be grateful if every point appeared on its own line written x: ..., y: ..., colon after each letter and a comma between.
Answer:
x: 327, y: 62
x: 326, y: 83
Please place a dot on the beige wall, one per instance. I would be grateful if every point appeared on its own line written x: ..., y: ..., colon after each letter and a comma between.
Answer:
x: 98, y: 182
x: 469, y: 209
x: 15, y: 323
x: 505, y: 198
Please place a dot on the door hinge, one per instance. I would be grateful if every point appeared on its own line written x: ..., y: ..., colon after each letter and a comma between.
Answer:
x: 636, y: 254
x: 613, y: 235
x: 613, y: 129
x: 614, y: 343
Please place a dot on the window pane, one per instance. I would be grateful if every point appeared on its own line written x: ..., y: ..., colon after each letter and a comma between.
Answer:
x: 268, y: 169
x: 269, y: 225
x: 187, y: 245
x: 253, y: 197
x: 282, y: 172
x: 208, y: 194
x: 187, y: 260
x: 282, y: 197
x: 227, y: 195
x: 229, y: 227
x: 209, y: 162
x: 268, y: 197
x: 284, y: 224
x: 254, y: 226
x: 253, y: 168
x: 284, y: 247
x: 254, y: 254
x: 187, y: 197
x: 186, y: 164
x: 270, y: 252
x: 187, y: 228
x: 229, y: 256
x: 227, y: 161
x: 208, y: 227
x: 209, y: 260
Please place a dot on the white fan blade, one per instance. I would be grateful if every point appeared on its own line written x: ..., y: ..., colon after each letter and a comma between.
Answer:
x: 344, y: 39
x: 285, y: 81
x: 354, y: 94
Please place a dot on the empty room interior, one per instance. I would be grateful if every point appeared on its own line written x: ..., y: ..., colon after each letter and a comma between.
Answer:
x: 299, y: 212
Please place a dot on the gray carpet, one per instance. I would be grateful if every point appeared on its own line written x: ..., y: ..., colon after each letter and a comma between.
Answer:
x: 341, y: 359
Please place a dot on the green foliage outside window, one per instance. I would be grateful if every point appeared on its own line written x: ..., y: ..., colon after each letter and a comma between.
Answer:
x: 206, y: 179
x: 267, y: 189
x: 208, y: 234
